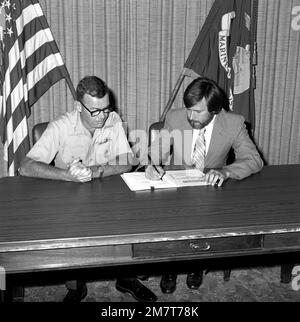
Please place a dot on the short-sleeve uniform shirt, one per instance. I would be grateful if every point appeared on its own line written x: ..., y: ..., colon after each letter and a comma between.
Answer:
x: 66, y: 139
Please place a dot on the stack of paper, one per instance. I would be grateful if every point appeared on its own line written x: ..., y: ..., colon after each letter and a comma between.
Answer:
x: 172, y: 179
x: 186, y: 178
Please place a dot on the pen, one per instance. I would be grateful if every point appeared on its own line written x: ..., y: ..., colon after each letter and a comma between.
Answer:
x: 160, y: 176
x: 75, y: 160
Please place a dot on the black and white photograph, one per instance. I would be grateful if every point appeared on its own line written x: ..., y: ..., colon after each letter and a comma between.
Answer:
x: 150, y: 154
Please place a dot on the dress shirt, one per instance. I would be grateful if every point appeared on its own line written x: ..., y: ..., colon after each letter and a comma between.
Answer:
x: 208, y: 132
x: 66, y: 139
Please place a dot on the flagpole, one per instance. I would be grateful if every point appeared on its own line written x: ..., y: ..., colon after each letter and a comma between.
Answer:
x: 173, y: 95
x: 253, y: 60
x: 71, y: 86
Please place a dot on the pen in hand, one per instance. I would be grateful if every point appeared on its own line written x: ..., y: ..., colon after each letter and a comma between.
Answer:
x: 159, y: 173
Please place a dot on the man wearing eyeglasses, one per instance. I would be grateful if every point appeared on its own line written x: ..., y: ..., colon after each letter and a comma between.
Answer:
x: 87, y: 143
x: 208, y: 132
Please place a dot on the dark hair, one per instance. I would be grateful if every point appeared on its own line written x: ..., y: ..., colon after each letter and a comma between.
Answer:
x: 203, y: 87
x: 91, y: 85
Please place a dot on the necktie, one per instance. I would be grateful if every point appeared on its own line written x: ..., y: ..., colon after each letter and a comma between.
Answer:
x: 199, y: 151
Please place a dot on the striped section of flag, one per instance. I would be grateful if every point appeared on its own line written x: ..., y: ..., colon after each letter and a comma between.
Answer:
x: 31, y: 64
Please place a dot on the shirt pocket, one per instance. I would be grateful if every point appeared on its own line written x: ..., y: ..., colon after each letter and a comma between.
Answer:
x: 75, y: 146
x: 101, y: 153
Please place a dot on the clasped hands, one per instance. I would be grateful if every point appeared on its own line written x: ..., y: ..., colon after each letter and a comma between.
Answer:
x: 212, y: 177
x: 81, y: 173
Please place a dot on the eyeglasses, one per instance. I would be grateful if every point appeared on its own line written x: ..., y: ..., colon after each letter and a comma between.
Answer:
x: 96, y: 112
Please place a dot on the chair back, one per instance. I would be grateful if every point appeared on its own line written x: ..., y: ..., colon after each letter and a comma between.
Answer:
x: 153, y: 132
x: 38, y: 130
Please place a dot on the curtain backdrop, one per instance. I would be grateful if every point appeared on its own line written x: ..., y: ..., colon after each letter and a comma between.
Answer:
x: 278, y: 81
x: 139, y: 48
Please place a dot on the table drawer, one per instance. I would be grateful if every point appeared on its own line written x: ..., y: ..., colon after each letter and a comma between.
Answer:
x: 196, y: 246
x: 282, y: 240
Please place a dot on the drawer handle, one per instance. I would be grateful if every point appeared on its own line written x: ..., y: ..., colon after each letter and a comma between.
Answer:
x: 206, y: 246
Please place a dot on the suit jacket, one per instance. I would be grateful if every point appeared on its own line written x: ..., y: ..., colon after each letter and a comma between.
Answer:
x: 229, y: 131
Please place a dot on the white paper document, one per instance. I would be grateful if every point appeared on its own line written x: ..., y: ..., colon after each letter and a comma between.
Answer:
x: 172, y: 179
x: 187, y: 178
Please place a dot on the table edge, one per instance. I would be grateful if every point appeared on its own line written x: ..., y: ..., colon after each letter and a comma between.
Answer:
x: 92, y: 241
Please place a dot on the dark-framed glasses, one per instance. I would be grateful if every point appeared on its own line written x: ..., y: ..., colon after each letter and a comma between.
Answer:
x: 97, y: 111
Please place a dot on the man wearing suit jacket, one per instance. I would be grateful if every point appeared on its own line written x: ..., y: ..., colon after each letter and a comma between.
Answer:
x: 201, y: 136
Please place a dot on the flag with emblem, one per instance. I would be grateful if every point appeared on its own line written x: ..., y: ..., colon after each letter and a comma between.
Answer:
x: 224, y: 52
x: 30, y: 63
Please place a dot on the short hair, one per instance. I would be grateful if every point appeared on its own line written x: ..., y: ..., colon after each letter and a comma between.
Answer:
x: 203, y: 87
x: 91, y: 85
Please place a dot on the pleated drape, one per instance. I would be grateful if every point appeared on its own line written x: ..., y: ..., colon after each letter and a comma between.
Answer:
x: 139, y: 48
x: 278, y: 82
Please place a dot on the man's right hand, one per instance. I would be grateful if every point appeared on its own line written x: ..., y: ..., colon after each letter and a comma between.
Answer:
x: 79, y: 172
x: 154, y: 174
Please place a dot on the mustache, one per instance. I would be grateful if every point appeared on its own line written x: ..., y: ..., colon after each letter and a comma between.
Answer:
x: 196, y: 125
x: 194, y: 122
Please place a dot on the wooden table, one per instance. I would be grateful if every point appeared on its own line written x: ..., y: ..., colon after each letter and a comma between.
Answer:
x: 50, y: 225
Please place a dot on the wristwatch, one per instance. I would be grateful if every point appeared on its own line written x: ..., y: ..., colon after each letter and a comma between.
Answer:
x: 98, y: 173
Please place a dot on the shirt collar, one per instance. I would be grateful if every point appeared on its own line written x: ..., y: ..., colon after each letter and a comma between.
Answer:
x: 210, y: 125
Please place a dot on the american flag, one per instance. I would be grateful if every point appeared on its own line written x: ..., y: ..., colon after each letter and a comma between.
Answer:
x: 30, y: 63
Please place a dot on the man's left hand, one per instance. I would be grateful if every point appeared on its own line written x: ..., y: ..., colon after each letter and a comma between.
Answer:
x: 79, y: 171
x: 213, y: 177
